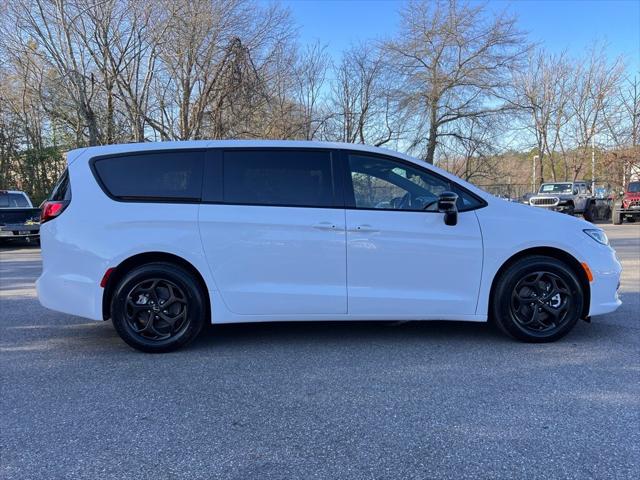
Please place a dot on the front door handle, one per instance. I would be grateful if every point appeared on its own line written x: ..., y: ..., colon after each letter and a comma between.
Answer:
x: 365, y: 228
x: 324, y: 226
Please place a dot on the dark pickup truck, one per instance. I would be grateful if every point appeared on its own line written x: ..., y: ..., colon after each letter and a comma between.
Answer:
x: 18, y: 218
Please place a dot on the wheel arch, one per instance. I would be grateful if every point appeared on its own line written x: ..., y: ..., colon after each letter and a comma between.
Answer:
x: 150, y: 257
x: 552, y: 252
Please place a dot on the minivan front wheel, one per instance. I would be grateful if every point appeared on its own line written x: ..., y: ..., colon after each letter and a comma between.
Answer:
x: 537, y: 299
x: 158, y: 307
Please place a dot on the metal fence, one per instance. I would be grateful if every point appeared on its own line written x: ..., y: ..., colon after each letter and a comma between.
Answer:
x: 513, y: 191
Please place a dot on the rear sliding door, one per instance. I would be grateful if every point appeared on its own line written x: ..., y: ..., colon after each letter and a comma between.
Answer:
x: 273, y: 230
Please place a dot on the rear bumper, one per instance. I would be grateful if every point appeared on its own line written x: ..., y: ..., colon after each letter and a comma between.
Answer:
x: 19, y: 231
x: 71, y: 294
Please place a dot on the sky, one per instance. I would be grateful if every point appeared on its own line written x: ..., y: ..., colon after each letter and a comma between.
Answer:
x: 569, y: 25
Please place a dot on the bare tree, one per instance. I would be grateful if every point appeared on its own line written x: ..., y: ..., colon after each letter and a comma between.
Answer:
x: 310, y: 76
x: 542, y: 94
x: 52, y: 25
x: 362, y: 102
x: 455, y: 62
x: 623, y: 119
x: 622, y: 132
x: 213, y: 53
x: 597, y: 80
x: 474, y: 153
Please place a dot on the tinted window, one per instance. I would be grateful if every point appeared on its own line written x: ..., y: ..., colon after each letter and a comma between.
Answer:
x: 380, y: 183
x: 13, y: 200
x: 278, y: 177
x: 17, y: 200
x: 175, y: 175
x: 62, y: 189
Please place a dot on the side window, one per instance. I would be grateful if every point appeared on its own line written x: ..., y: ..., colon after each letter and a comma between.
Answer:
x: 162, y: 176
x: 300, y: 178
x: 381, y: 183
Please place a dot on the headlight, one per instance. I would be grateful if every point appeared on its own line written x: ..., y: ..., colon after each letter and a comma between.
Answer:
x: 598, y: 235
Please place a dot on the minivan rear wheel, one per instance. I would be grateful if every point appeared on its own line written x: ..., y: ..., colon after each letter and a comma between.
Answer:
x: 158, y: 307
x: 537, y: 299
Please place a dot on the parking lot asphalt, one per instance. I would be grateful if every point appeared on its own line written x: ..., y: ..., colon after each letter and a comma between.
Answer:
x: 318, y: 400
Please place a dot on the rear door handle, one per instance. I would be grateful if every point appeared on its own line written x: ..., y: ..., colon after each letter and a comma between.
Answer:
x: 364, y: 228
x: 324, y: 226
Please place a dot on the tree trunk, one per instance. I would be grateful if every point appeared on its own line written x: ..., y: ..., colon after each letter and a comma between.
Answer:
x: 433, y: 136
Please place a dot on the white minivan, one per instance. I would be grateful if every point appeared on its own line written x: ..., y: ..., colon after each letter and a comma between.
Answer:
x: 164, y: 237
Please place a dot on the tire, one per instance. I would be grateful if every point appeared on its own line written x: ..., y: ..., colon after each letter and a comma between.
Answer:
x: 631, y: 219
x: 138, y: 314
x: 616, y: 216
x: 588, y: 212
x: 521, y: 286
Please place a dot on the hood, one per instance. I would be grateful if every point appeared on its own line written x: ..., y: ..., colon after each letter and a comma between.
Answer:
x: 539, y: 217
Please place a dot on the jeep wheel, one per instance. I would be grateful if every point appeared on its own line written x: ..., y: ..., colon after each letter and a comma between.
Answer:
x: 616, y: 216
x: 588, y: 213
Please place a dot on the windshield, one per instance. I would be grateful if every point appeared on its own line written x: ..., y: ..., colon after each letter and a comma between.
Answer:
x: 556, y: 188
x: 634, y: 187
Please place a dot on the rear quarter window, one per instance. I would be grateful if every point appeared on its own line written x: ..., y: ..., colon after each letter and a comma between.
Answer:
x: 62, y: 190
x: 153, y: 176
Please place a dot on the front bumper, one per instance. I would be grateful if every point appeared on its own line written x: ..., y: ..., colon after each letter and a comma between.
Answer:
x: 635, y: 211
x: 606, y: 271
x: 559, y: 208
x: 551, y: 203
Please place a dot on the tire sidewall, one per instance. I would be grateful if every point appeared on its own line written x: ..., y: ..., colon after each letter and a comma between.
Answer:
x: 509, y: 279
x: 180, y: 278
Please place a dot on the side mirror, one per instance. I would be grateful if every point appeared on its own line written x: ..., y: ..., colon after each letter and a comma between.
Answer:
x: 575, y: 191
x: 447, y: 205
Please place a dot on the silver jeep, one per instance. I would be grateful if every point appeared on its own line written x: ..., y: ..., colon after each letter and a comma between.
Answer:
x: 566, y: 197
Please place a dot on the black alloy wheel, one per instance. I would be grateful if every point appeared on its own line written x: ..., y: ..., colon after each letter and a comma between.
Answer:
x: 158, y: 307
x: 540, y: 302
x: 537, y: 299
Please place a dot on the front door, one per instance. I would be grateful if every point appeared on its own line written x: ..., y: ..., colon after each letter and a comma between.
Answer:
x: 401, y: 257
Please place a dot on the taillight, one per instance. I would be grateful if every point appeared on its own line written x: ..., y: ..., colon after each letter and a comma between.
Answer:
x: 52, y: 209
